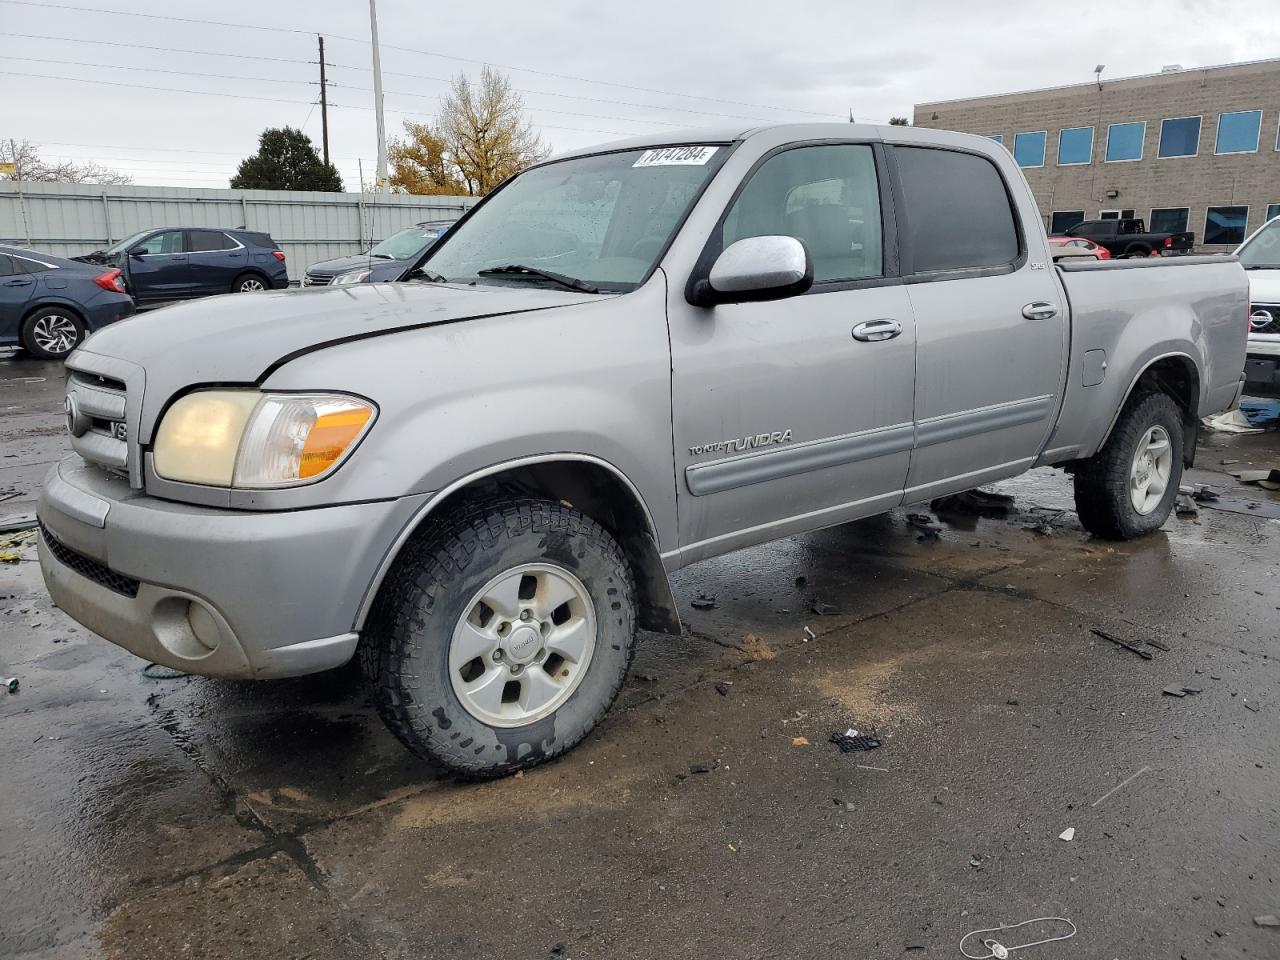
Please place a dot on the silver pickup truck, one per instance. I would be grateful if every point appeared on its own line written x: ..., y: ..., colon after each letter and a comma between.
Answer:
x: 623, y: 361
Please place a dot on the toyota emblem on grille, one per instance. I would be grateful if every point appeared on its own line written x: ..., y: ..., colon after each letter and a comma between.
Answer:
x: 77, y: 422
x: 1259, y: 319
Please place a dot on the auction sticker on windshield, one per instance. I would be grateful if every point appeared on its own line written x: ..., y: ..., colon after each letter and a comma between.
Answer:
x: 673, y: 156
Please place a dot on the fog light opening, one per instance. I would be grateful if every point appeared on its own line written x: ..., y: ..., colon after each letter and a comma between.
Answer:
x: 186, y: 628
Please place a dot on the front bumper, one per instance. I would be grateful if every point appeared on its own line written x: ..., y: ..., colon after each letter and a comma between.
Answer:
x: 207, y: 591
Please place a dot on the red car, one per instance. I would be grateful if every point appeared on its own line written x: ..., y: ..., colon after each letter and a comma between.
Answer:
x: 1101, y: 253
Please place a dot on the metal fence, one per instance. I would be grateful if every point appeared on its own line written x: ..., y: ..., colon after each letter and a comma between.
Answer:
x: 67, y: 219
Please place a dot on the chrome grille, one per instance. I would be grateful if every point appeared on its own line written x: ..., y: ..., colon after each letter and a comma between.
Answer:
x: 1264, y: 318
x: 102, y: 405
x: 310, y: 281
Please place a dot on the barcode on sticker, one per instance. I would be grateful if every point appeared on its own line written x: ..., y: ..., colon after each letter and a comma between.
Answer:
x: 672, y: 156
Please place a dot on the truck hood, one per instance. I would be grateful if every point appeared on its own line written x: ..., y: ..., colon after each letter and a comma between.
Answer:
x: 1264, y: 286
x: 240, y: 338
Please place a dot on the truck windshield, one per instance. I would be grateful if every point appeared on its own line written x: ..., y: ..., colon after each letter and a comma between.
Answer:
x: 603, y: 220
x: 1262, y: 252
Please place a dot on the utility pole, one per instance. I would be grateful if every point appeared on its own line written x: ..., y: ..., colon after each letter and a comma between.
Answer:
x: 382, y: 184
x: 22, y: 200
x: 324, y: 103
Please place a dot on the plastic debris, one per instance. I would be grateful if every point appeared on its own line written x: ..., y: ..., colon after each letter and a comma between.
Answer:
x: 704, y: 601
x: 809, y: 635
x: 1261, y: 413
x: 799, y: 741
x: 1205, y: 494
x: 823, y: 609
x: 1068, y: 834
x: 1121, y: 643
x: 855, y: 744
x: 1251, y: 706
x: 1233, y: 421
x: 1267, y: 479
x: 10, y: 684
x: 980, y: 502
x: 722, y: 688
x: 1267, y: 920
x: 154, y: 671
x: 1184, y: 506
x: 16, y: 521
x: 929, y: 528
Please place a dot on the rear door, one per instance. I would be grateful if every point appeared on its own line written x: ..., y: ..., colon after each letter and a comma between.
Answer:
x: 160, y: 270
x: 16, y: 286
x: 782, y: 418
x: 216, y: 259
x: 991, y: 328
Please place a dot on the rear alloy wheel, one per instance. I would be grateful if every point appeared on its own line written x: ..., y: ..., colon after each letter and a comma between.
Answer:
x: 249, y: 283
x: 1128, y: 487
x: 52, y: 333
x: 501, y: 635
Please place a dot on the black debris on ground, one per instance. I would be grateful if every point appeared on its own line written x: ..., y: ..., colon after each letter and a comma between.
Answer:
x: 703, y: 601
x: 1121, y: 643
x: 862, y: 742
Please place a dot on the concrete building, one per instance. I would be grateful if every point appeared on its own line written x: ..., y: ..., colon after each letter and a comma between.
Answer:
x: 1185, y: 149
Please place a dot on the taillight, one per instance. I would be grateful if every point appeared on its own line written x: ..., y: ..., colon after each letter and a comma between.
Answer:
x: 1168, y: 243
x: 278, y: 254
x: 111, y: 281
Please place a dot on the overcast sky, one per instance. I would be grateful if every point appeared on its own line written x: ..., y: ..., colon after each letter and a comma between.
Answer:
x: 716, y: 63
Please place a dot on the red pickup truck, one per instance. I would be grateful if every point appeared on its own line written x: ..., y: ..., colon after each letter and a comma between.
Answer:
x: 1129, y: 238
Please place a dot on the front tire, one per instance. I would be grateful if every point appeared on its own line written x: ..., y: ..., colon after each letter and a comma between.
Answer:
x: 51, y: 333
x: 501, y: 636
x: 1128, y: 488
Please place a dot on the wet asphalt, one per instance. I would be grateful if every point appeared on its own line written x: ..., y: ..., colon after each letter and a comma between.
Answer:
x: 201, y: 818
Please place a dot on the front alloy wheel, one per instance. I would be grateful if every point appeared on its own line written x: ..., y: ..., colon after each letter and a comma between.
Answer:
x: 51, y: 333
x: 523, y: 645
x: 501, y: 635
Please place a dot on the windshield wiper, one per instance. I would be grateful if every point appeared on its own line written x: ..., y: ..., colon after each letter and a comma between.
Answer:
x: 382, y: 256
x: 428, y: 275
x: 573, y: 283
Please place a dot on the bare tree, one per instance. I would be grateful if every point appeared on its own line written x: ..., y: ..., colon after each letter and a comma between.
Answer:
x: 29, y: 167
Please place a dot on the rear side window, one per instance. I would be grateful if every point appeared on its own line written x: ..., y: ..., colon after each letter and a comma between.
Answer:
x: 958, y: 211
x: 23, y: 265
x: 828, y: 196
x: 6, y: 266
x: 259, y: 239
x: 203, y: 241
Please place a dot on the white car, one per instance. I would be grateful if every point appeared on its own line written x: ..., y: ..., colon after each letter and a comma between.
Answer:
x: 1260, y: 255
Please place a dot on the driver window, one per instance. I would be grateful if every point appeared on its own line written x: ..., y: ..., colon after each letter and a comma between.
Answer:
x: 827, y: 196
x: 170, y: 241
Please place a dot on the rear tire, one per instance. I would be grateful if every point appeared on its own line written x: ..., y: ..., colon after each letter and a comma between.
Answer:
x: 1144, y: 450
x: 249, y: 283
x: 501, y: 636
x: 51, y: 333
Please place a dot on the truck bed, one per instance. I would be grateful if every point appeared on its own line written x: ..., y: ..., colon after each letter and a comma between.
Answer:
x: 1126, y: 314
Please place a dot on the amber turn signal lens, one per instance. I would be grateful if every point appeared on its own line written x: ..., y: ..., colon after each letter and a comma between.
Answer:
x: 329, y: 438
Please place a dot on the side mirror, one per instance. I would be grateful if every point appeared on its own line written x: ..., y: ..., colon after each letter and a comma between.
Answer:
x: 137, y: 251
x: 755, y: 269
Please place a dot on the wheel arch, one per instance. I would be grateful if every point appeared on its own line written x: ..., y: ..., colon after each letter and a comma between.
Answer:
x: 251, y: 272
x: 595, y: 487
x: 1178, y: 376
x: 47, y: 302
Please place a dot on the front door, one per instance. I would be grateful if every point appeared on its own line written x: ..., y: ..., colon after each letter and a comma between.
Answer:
x: 787, y: 415
x: 990, y: 323
x: 158, y: 267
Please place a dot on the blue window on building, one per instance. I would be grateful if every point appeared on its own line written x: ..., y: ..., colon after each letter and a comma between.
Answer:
x: 1028, y: 149
x: 1075, y: 145
x: 1124, y: 140
x: 1238, y: 132
x: 1273, y: 210
x: 1179, y: 137
x: 1225, y: 225
x: 998, y: 138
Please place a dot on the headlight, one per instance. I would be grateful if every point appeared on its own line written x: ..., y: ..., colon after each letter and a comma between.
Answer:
x: 243, y: 438
x: 355, y: 276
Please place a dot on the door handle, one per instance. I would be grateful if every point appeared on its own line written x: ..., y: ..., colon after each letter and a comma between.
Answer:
x: 873, y: 331
x: 1040, y: 310
x: 19, y: 282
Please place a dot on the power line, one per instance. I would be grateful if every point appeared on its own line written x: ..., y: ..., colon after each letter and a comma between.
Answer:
x: 426, y: 53
x: 184, y: 73
x: 144, y: 46
x: 143, y: 86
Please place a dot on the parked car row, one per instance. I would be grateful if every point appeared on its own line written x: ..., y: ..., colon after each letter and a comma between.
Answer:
x: 48, y: 304
x: 1130, y: 238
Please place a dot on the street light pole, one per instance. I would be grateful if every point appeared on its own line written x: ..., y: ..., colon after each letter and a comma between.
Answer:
x: 382, y: 184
